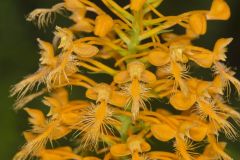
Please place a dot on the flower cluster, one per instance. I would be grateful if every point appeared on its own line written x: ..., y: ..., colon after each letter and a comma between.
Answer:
x: 145, y: 61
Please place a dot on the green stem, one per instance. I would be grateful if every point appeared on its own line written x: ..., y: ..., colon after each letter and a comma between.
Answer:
x: 136, y: 29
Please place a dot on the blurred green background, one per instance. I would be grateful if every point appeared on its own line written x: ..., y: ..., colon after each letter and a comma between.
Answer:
x: 19, y: 57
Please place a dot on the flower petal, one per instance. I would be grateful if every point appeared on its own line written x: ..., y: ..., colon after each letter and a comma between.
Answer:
x: 163, y: 132
x: 91, y: 94
x: 60, y: 132
x: 119, y: 150
x: 145, y: 147
x: 158, y: 57
x: 84, y: 50
x: 202, y: 59
x: 122, y: 77
x: 198, y: 23
x: 198, y: 133
x: 118, y: 99
x: 220, y: 48
x: 37, y: 117
x: 181, y: 102
x: 219, y: 10
x: 70, y: 118
x: 148, y: 77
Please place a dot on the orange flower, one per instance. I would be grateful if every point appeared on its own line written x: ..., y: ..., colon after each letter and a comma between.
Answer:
x: 95, y: 122
x: 105, y: 92
x: 43, y: 130
x: 54, y: 70
x: 134, y: 146
x: 136, y: 89
x: 129, y: 47
x: 197, y: 88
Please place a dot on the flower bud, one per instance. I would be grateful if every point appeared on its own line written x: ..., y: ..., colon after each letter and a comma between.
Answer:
x: 104, y: 24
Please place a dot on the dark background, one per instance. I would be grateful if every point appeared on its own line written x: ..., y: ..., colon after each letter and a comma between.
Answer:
x: 19, y: 56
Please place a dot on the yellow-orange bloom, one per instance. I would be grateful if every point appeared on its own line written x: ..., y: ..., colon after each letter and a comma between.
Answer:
x: 96, y: 121
x: 105, y: 92
x: 136, y: 90
x: 142, y: 58
x: 134, y: 146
